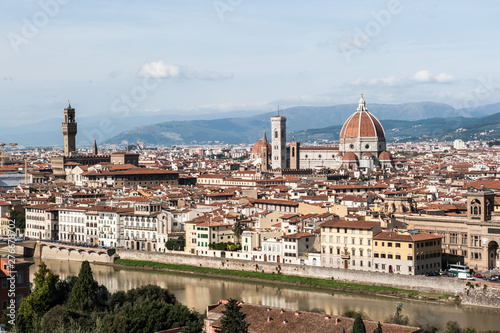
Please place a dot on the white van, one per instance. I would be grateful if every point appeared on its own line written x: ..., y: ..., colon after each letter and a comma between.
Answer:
x: 464, y: 276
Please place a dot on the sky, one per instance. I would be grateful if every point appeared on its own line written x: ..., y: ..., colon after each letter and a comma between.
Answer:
x: 177, y: 57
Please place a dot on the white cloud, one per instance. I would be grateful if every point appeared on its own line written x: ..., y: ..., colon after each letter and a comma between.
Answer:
x: 158, y: 69
x: 387, y: 81
x: 422, y: 76
x: 425, y: 76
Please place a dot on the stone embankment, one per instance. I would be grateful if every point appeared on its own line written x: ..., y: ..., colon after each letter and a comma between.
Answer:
x: 420, y: 283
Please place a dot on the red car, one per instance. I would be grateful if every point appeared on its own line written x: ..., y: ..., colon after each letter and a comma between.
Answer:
x: 478, y: 276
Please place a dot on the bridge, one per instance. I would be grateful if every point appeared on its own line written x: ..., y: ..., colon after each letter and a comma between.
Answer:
x: 49, y: 250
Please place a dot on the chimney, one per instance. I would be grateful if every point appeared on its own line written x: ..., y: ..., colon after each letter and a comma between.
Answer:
x: 269, y: 319
x: 337, y: 320
x: 284, y: 321
x: 327, y: 317
x: 282, y: 311
x: 297, y: 313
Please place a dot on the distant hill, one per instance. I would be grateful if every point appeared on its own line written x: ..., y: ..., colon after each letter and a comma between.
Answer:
x: 306, y: 124
x: 246, y: 126
x: 442, y: 129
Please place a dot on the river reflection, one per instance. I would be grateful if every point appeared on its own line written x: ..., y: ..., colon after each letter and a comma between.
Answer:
x: 198, y: 292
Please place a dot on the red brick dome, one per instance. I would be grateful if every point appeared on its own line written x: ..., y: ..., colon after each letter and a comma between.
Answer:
x: 256, y: 149
x: 385, y: 156
x: 362, y: 124
x: 350, y: 156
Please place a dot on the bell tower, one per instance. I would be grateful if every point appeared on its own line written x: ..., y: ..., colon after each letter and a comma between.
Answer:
x: 69, y: 130
x: 278, y: 125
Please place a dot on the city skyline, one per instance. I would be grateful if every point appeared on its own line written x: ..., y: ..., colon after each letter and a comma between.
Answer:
x: 221, y: 56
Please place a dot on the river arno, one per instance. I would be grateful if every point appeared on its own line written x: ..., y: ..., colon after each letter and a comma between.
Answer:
x: 198, y: 292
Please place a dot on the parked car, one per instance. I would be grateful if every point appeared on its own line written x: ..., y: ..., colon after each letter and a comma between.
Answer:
x: 464, y: 276
x: 493, y: 278
x: 479, y: 276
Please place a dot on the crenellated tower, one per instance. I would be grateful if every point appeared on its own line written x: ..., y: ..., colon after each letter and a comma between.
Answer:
x: 69, y: 130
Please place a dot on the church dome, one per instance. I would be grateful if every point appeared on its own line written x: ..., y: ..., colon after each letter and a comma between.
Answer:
x: 362, y: 124
x: 349, y: 157
x: 385, y: 156
x: 257, y: 147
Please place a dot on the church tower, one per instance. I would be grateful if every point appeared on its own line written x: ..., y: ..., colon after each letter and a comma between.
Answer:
x: 295, y: 155
x: 278, y: 126
x: 69, y: 130
x: 264, y: 154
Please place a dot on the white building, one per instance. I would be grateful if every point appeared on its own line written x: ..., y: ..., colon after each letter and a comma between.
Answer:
x: 72, y: 224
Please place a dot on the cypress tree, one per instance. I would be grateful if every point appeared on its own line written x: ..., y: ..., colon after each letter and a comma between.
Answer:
x: 358, y: 326
x: 83, y: 294
x: 378, y: 329
x: 233, y: 320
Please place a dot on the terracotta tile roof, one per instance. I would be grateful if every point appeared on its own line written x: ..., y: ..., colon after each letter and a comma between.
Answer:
x: 405, y: 237
x: 338, y: 223
x: 264, y: 319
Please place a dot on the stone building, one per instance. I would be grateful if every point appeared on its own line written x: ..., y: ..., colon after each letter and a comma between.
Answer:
x: 348, y: 244
x: 472, y: 239
x: 406, y: 252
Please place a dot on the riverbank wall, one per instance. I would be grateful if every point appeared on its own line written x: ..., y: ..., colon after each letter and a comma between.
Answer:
x: 420, y: 283
x: 46, y: 250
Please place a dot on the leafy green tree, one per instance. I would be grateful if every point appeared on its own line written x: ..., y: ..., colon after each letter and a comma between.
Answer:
x: 59, y: 318
x: 452, y: 327
x: 378, y: 329
x: 398, y: 317
x: 18, y: 216
x: 233, y: 320
x: 470, y: 330
x: 83, y: 295
x: 39, y: 301
x: 176, y: 244
x: 358, y: 326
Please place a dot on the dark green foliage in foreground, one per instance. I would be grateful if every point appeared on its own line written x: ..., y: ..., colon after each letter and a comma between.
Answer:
x: 378, y: 329
x: 358, y: 326
x: 80, y: 305
x: 233, y: 320
x: 83, y: 296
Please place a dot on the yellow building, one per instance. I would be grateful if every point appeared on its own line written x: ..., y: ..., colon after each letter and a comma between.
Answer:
x: 347, y: 244
x: 406, y: 252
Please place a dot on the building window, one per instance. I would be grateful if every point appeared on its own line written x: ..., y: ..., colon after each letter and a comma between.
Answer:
x: 398, y: 244
x: 389, y: 244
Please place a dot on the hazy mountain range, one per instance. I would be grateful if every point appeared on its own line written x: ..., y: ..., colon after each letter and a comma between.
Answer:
x: 403, y: 122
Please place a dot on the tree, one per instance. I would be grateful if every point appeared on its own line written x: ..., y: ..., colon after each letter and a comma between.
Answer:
x: 233, y: 320
x: 237, y: 230
x: 83, y: 296
x: 378, y: 329
x: 397, y: 317
x: 452, y: 327
x: 18, y: 217
x: 470, y: 330
x: 176, y: 244
x: 358, y: 326
x: 43, y: 297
